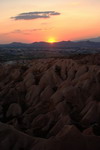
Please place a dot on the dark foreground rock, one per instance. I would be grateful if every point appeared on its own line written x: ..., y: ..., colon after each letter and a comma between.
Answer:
x: 68, y: 138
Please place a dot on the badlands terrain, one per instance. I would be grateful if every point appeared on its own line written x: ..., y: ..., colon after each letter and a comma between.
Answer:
x: 51, y: 104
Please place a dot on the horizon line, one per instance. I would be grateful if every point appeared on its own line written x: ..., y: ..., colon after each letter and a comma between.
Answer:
x: 51, y: 43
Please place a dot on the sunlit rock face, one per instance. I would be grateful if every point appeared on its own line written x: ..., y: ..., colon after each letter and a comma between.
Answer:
x: 51, y: 104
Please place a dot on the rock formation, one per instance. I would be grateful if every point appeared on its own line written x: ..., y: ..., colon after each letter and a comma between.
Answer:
x: 50, y: 104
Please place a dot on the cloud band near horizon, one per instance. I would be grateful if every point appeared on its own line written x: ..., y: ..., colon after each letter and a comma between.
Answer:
x: 35, y: 15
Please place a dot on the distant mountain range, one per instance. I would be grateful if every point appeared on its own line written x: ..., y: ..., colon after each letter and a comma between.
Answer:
x: 93, y: 42
x: 97, y: 39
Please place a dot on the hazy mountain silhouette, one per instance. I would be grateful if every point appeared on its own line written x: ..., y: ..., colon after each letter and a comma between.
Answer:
x: 83, y: 43
x: 96, y: 39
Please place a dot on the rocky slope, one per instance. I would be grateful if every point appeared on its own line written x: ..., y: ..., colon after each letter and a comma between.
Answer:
x: 50, y: 104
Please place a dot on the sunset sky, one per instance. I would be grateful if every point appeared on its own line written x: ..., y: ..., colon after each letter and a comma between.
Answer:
x: 41, y: 20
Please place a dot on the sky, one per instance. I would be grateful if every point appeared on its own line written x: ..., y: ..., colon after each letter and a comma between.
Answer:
x: 41, y: 20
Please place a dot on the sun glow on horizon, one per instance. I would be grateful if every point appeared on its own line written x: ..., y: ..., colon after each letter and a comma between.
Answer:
x: 51, y: 40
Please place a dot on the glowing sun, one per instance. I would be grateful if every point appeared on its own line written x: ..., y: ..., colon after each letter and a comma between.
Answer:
x: 51, y: 40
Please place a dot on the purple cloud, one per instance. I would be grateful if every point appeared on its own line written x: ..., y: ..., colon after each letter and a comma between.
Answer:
x: 35, y: 15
